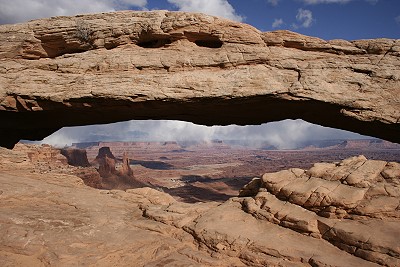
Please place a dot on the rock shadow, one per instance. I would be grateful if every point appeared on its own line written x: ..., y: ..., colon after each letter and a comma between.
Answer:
x: 193, y: 192
x: 153, y: 164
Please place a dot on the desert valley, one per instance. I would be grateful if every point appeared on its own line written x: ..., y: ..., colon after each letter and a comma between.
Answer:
x: 195, y: 171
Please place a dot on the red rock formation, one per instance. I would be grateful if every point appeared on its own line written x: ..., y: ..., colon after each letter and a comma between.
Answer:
x: 119, y: 148
x: 106, y: 166
x: 90, y: 176
x: 126, y: 167
x: 105, y: 151
x: 76, y: 157
x: 106, y: 162
x: 45, y: 153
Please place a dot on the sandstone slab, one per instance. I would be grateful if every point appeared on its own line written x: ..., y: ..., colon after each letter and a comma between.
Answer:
x: 353, y: 204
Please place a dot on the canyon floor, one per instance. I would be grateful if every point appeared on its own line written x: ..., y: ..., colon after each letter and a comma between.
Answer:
x: 205, y: 210
x: 216, y: 171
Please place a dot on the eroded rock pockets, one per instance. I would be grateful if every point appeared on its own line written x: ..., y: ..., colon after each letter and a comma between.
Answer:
x: 54, y: 37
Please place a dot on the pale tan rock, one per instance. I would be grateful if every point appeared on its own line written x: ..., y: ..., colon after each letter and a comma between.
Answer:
x: 266, y: 206
x: 53, y: 219
x: 353, y: 204
x: 109, y: 67
x: 177, y: 214
x: 392, y: 171
x: 250, y: 189
x: 261, y: 243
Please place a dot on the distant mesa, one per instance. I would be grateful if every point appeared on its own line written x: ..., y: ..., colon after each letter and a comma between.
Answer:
x: 105, y: 152
x: 119, y: 147
x: 106, y: 162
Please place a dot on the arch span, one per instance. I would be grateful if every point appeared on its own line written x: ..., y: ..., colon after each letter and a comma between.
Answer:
x: 109, y: 67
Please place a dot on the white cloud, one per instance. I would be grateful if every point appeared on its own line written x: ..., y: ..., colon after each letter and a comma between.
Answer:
x: 277, y: 23
x: 220, y: 8
x: 21, y: 10
x: 273, y: 2
x: 284, y: 134
x: 304, y: 17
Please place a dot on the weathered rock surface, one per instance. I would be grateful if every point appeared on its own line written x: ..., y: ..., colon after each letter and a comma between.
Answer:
x: 353, y: 204
x: 52, y: 219
x: 111, y: 67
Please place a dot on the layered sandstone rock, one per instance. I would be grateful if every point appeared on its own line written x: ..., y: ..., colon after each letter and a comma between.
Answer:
x: 111, y: 67
x: 354, y: 205
x: 341, y: 214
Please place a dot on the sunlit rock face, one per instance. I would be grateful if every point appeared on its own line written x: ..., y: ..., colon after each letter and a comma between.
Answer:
x: 352, y: 204
x: 109, y: 67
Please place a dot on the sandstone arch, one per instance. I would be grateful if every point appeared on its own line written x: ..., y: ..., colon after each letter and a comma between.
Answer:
x: 110, y: 67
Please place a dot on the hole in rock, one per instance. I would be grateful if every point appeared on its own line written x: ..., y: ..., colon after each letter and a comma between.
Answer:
x: 150, y: 40
x: 156, y: 43
x: 204, y: 39
x: 56, y: 45
x: 198, y: 163
x: 209, y: 43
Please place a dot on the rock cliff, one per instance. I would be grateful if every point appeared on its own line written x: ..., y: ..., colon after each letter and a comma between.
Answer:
x: 109, y: 67
x: 76, y: 157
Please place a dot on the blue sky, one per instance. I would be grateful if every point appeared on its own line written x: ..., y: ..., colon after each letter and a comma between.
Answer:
x: 327, y: 19
x: 357, y: 19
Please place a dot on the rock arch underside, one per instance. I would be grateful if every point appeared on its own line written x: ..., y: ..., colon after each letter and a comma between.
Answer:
x: 101, y: 68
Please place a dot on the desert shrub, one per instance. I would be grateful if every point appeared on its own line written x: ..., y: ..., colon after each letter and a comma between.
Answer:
x: 83, y: 31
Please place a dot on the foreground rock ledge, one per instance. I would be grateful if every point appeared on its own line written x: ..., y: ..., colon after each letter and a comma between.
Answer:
x: 334, y: 214
x: 110, y: 67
